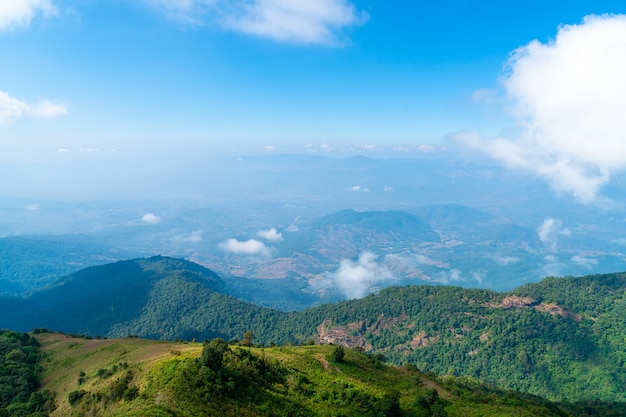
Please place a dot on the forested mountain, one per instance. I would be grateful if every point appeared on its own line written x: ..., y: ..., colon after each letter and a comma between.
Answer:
x: 553, y: 338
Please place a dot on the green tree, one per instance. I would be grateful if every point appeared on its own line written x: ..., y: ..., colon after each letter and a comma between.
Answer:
x: 247, y: 338
x: 338, y: 354
x: 213, y: 353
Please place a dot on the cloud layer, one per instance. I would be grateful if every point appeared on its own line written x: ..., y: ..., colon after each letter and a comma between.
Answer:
x: 569, y: 99
x: 293, y: 21
x: 19, y: 13
x: 12, y: 109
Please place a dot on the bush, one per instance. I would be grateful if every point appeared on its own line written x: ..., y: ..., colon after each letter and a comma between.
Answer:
x: 74, y: 397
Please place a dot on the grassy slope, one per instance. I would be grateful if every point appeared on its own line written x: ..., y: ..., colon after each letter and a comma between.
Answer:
x: 311, y: 386
x: 65, y: 357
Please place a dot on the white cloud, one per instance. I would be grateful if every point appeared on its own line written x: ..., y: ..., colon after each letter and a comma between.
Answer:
x: 505, y: 260
x: 32, y: 207
x: 426, y: 148
x: 12, y: 109
x: 364, y: 147
x: 293, y: 21
x: 358, y: 188
x: 478, y: 277
x: 447, y: 277
x: 272, y: 235
x: 270, y: 148
x: 19, y: 13
x: 292, y: 228
x: 187, y: 11
x: 195, y: 236
x: 296, y: 21
x: 569, y: 99
x: 550, y: 230
x: 581, y: 260
x: 248, y: 247
x: 150, y: 218
x: 357, y: 279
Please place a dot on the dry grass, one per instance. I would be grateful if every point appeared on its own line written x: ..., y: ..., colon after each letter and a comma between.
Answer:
x: 66, y: 357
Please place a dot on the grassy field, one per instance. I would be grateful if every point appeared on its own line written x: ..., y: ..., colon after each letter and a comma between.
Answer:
x: 137, y: 377
x: 66, y: 358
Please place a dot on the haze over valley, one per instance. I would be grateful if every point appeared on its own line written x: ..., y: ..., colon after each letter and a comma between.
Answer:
x: 312, y: 208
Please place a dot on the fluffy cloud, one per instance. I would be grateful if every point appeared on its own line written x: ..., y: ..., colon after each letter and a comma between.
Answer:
x: 248, y: 247
x: 357, y: 279
x: 293, y: 21
x: 12, y: 109
x: 150, y: 218
x: 550, y: 230
x: 358, y: 188
x: 19, y: 13
x: 272, y: 235
x: 569, y: 99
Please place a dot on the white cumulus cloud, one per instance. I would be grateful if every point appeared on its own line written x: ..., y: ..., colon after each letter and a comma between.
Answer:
x: 248, y: 247
x: 150, y: 218
x: 569, y: 99
x: 19, y: 13
x: 12, y: 109
x: 272, y: 235
x: 357, y: 279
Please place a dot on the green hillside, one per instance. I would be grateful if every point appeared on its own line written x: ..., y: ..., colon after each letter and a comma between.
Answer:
x: 135, y: 377
x: 563, y: 339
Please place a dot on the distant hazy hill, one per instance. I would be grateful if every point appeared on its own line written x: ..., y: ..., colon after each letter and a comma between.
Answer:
x: 564, y: 338
x: 452, y: 215
x: 29, y: 262
x: 398, y: 222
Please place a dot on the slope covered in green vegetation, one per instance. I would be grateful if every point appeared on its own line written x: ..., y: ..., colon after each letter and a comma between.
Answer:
x: 562, y: 338
x: 135, y: 377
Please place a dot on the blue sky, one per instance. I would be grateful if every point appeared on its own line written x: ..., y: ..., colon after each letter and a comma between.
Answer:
x: 189, y: 77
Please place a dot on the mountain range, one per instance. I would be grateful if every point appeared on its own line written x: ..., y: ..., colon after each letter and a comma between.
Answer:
x: 550, y: 338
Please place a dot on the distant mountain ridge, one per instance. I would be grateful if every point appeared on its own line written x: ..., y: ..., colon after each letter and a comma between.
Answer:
x: 549, y: 338
x: 30, y: 262
x: 390, y: 221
